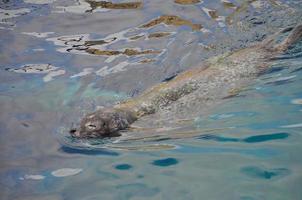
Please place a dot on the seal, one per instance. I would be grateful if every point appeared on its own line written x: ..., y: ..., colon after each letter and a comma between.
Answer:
x: 212, y: 80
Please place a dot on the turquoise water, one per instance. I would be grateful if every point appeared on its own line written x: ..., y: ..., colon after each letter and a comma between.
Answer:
x: 247, y: 148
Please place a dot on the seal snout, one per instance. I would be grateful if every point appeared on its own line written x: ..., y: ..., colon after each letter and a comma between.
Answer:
x: 74, y: 133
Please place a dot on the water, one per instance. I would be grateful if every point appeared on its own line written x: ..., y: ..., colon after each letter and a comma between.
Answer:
x: 246, y: 148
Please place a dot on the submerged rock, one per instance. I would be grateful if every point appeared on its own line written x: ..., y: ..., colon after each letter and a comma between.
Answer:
x: 110, y: 5
x: 172, y: 20
x: 187, y: 2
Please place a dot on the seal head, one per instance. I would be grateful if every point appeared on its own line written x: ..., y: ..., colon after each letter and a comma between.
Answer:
x: 103, y: 123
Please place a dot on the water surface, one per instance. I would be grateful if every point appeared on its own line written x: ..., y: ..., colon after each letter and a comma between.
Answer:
x: 62, y: 59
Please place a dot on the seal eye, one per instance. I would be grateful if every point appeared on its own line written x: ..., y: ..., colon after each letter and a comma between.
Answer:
x: 90, y: 126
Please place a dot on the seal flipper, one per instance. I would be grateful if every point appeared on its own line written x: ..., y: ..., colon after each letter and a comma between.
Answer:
x: 294, y: 37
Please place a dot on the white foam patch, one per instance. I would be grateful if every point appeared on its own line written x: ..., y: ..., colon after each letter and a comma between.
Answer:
x: 7, y: 14
x: 297, y: 101
x: 223, y: 116
x: 38, y: 49
x: 66, y: 172
x: 292, y: 126
x: 39, y: 1
x: 33, y: 177
x: 111, y: 58
x: 207, y: 11
x: 185, y: 57
x: 257, y: 4
x: 282, y: 79
x: 69, y: 40
x: 225, y: 1
x: 204, y: 45
x: 204, y: 30
x: 38, y: 35
x: 85, y: 72
x: 81, y: 6
x: 35, y: 69
x: 52, y: 74
x: 117, y: 68
x: 219, y: 19
x: 48, y: 69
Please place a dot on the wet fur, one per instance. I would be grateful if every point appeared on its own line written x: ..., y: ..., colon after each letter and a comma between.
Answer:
x: 213, y: 80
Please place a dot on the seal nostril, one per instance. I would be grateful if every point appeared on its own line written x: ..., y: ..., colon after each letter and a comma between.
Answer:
x: 92, y: 126
x: 72, y: 131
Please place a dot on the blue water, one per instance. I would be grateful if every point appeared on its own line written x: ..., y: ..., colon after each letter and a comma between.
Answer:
x: 248, y: 148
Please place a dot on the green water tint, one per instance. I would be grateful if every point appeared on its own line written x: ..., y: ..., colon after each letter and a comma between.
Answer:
x: 58, y: 95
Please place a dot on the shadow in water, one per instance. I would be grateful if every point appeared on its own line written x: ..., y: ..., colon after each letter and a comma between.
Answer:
x: 165, y: 162
x: 86, y: 151
x: 123, y: 167
x: 251, y: 139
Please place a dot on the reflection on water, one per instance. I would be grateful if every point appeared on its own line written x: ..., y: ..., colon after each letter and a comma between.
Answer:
x: 62, y: 59
x: 257, y: 172
x: 171, y: 20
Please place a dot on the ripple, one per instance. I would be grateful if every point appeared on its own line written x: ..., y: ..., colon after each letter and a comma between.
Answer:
x: 281, y: 80
x: 138, y: 190
x: 48, y: 69
x: 297, y: 70
x: 265, y: 138
x: 109, y: 5
x: 297, y: 101
x: 33, y: 177
x: 66, y: 172
x: 171, y: 20
x: 91, y: 151
x: 85, y: 72
x: 251, y: 139
x: 218, y: 138
x: 231, y: 115
x: 257, y: 172
x: 186, y: 2
x: 272, y: 70
x: 292, y: 126
x: 39, y: 1
x: 165, y: 162
x: 7, y: 14
x: 123, y: 167
x: 51, y: 75
x: 38, y: 35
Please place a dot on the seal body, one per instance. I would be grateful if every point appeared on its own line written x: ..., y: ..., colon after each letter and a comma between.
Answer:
x: 213, y: 80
